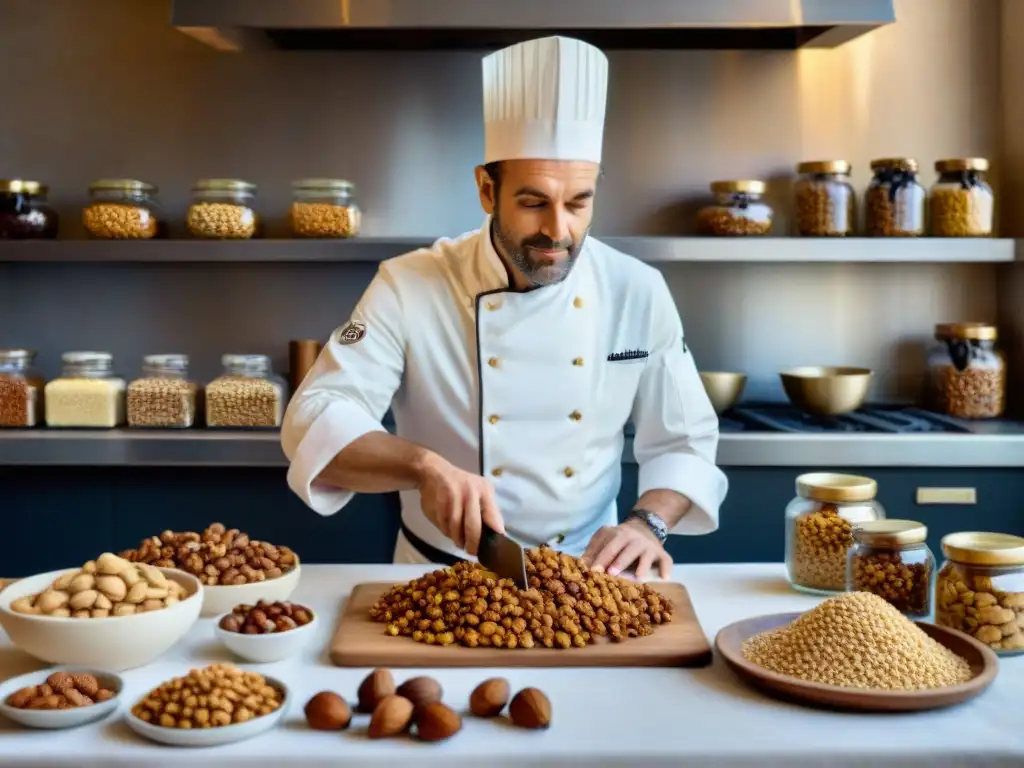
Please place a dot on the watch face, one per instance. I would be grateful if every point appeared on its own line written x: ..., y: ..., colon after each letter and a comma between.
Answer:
x: 655, y: 523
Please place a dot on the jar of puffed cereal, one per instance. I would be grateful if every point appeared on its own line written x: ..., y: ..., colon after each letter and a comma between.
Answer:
x: 324, y: 208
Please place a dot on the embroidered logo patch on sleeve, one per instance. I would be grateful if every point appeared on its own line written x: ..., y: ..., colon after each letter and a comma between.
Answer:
x: 350, y: 333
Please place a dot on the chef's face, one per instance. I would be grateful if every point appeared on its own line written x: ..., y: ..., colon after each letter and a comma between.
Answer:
x: 541, y: 211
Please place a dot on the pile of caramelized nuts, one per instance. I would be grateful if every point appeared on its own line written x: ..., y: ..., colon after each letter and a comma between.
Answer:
x: 218, y: 556
x: 265, y: 618
x: 567, y: 605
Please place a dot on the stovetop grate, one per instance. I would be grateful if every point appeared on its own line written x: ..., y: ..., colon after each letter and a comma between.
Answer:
x: 876, y: 419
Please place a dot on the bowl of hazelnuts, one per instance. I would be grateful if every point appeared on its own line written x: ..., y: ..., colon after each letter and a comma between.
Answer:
x: 267, y: 631
x: 232, y: 567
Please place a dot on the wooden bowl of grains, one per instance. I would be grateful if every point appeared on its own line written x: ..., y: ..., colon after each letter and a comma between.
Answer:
x: 945, y: 666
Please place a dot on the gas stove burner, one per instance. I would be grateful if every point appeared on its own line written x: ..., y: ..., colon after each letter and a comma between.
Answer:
x: 872, y: 419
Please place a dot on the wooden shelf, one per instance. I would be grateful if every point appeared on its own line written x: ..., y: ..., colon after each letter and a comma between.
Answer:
x: 649, y: 249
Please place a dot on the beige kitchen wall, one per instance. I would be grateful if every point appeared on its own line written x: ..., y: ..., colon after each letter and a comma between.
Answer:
x: 106, y: 88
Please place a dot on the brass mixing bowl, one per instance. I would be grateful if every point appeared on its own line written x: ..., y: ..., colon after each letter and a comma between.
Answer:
x: 826, y: 390
x: 723, y: 388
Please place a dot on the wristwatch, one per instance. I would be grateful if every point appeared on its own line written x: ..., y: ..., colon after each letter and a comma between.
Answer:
x: 656, y: 525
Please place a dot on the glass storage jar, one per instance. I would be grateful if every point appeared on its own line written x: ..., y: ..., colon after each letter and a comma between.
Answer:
x: 895, y: 200
x: 25, y: 213
x: 21, y: 389
x: 961, y: 202
x: 87, y: 394
x: 826, y: 202
x: 819, y: 528
x: 122, y: 209
x: 222, y: 209
x: 247, y: 394
x: 891, y: 559
x: 324, y: 208
x: 738, y: 210
x: 968, y: 373
x: 980, y: 589
x: 163, y: 396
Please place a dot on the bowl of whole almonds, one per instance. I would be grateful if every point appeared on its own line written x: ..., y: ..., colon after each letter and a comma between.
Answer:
x: 233, y: 568
x: 109, y: 614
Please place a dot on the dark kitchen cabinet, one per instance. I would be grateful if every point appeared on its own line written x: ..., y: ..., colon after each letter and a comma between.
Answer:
x: 60, y: 517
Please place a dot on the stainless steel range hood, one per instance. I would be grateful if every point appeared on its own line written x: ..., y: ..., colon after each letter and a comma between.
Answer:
x: 235, y: 25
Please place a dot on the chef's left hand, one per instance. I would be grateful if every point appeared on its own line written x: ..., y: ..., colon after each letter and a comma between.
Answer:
x: 615, y: 548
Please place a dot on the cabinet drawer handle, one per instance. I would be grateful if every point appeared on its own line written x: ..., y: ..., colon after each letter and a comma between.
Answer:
x: 947, y: 495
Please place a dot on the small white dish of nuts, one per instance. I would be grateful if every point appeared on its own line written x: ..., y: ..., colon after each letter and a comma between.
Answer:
x: 60, y: 699
x: 110, y: 614
x: 267, y: 631
x: 219, y: 704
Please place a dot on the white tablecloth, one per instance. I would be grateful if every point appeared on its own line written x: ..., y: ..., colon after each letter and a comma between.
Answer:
x: 601, y: 717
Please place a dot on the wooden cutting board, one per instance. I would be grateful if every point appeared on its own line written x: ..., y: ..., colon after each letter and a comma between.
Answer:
x: 360, y: 642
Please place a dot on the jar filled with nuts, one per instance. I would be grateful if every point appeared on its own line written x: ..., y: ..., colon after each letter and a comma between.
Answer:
x: 968, y: 373
x: 324, y: 208
x: 21, y: 389
x: 962, y: 202
x: 247, y: 394
x: 738, y: 210
x: 222, y: 209
x: 87, y: 394
x: 826, y: 202
x: 25, y: 213
x: 891, y: 559
x: 895, y: 200
x: 163, y: 396
x: 122, y: 209
x: 819, y: 528
x: 980, y: 589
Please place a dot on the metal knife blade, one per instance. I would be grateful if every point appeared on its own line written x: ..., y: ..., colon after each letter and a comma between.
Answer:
x: 502, y: 555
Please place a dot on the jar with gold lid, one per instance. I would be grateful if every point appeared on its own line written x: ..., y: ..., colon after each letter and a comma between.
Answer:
x: 891, y: 559
x: 122, y: 209
x: 895, y: 200
x: 980, y: 589
x: 324, y: 208
x: 826, y: 202
x: 968, y: 373
x: 25, y: 213
x: 961, y: 202
x: 819, y: 528
x: 222, y: 209
x: 738, y: 210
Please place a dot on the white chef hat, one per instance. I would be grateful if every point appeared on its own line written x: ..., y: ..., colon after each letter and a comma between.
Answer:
x: 545, y: 99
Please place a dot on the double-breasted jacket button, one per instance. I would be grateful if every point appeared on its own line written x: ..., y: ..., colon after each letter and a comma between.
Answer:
x: 494, y: 362
x: 577, y: 361
x: 575, y: 415
x: 497, y: 471
x: 578, y: 302
x: 569, y: 471
x: 494, y: 418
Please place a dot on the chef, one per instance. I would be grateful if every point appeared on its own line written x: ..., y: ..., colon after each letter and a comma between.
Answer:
x: 513, y: 356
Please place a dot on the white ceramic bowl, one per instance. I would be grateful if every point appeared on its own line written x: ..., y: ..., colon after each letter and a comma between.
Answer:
x: 60, y: 718
x: 212, y: 737
x: 267, y: 648
x: 221, y: 599
x: 115, y: 643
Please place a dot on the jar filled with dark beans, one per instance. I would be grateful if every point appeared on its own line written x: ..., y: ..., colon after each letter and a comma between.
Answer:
x: 24, y: 211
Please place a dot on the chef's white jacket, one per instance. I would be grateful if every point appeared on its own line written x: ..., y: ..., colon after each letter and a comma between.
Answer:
x: 530, y: 389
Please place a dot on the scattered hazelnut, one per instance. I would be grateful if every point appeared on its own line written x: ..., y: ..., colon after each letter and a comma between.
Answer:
x: 375, y: 687
x: 327, y: 711
x: 437, y: 721
x: 530, y: 708
x: 391, y: 717
x: 490, y: 697
x: 420, y: 690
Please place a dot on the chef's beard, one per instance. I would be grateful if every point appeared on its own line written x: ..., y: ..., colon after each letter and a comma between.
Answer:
x: 537, y: 268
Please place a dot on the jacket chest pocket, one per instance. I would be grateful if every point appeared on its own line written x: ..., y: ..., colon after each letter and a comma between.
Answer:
x: 616, y: 391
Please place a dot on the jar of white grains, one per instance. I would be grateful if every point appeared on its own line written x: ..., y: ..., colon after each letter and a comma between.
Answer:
x: 222, y: 209
x: 819, y: 528
x: 247, y: 394
x: 87, y: 394
x: 21, y: 389
x: 324, y: 208
x: 163, y: 396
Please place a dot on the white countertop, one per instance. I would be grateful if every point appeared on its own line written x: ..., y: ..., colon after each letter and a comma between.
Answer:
x: 601, y: 717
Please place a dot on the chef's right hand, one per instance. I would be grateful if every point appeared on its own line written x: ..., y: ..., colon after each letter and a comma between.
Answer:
x: 458, y: 502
